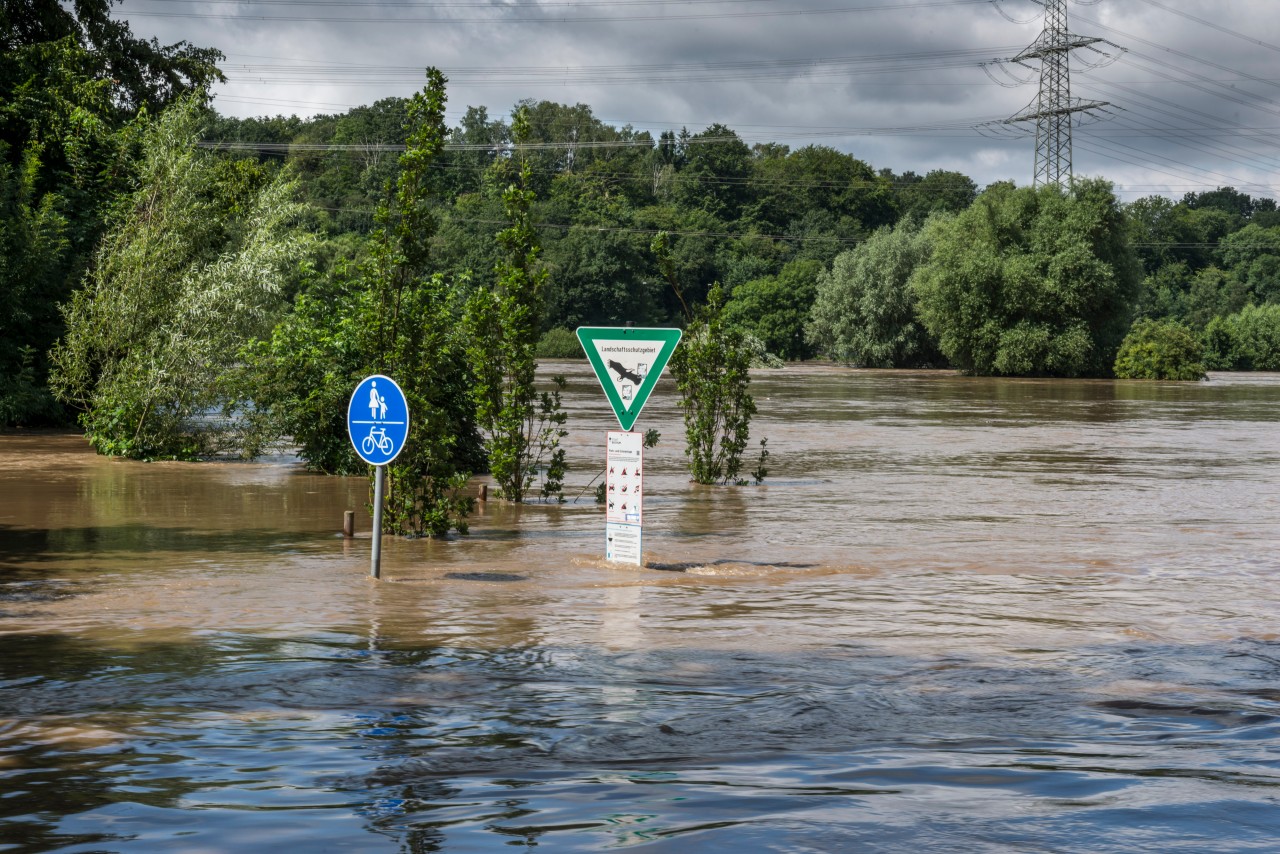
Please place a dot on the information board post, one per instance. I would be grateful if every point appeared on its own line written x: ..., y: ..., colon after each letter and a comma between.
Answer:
x: 628, y: 362
x: 378, y: 425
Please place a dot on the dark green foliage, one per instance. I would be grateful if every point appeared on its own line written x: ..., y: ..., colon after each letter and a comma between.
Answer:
x: 34, y: 251
x: 1252, y: 255
x: 939, y: 191
x: 774, y: 308
x: 1030, y: 282
x: 408, y: 322
x: 864, y: 313
x: 1248, y: 340
x: 711, y: 367
x: 139, y: 72
x: 71, y: 77
x: 1159, y: 350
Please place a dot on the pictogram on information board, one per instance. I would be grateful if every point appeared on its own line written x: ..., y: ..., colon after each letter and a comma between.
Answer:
x: 624, y: 478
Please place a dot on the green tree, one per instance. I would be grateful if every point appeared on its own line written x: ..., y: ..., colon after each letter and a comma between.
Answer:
x: 1159, y: 350
x: 522, y: 429
x: 864, y: 312
x: 1252, y: 254
x: 711, y: 367
x: 409, y: 326
x: 1030, y: 282
x: 774, y: 308
x: 33, y: 255
x: 1248, y: 340
x: 938, y: 191
x: 195, y: 263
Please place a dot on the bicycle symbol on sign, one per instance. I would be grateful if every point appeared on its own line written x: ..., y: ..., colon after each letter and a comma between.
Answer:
x: 377, y: 438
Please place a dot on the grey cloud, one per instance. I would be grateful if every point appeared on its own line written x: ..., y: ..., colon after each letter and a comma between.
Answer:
x: 1149, y: 146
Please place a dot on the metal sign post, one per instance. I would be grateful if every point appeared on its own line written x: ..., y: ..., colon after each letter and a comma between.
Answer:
x: 378, y: 424
x: 628, y: 363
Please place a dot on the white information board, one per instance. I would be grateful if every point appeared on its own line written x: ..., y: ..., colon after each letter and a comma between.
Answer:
x: 624, y: 478
x: 622, y: 543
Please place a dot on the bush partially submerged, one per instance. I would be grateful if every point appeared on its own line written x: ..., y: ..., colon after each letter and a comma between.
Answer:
x: 1159, y: 350
x: 559, y: 343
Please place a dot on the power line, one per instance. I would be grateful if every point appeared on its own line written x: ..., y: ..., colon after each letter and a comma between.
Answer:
x: 564, y: 19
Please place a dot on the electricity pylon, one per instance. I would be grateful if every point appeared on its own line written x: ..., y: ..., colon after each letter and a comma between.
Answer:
x: 1054, y: 110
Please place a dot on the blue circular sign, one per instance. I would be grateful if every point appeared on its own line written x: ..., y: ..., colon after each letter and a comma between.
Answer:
x: 378, y: 419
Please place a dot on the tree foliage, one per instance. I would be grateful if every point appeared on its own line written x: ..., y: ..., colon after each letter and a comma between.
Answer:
x: 522, y: 428
x: 1030, y: 282
x: 711, y: 367
x: 1159, y: 350
x: 1248, y: 340
x: 864, y: 313
x: 774, y: 308
x: 195, y: 263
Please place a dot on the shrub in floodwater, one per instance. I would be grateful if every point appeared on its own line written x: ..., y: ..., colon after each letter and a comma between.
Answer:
x: 1159, y: 350
x: 560, y: 343
x: 711, y: 367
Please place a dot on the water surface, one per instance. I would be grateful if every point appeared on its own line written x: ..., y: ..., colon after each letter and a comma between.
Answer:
x: 972, y: 614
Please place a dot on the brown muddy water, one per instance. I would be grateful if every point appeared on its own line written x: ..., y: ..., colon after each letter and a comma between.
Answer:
x: 968, y: 614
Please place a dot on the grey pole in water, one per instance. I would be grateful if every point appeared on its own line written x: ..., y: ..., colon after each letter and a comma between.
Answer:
x: 375, y: 569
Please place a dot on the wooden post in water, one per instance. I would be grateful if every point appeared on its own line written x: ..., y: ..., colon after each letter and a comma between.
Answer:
x: 483, y: 494
x: 349, y: 524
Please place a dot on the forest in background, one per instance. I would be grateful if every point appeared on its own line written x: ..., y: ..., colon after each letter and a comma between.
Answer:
x: 818, y: 253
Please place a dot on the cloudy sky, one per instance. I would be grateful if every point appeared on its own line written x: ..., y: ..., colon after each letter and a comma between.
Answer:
x: 905, y: 84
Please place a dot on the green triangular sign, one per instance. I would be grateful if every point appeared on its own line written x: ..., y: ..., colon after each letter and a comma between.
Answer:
x: 628, y: 362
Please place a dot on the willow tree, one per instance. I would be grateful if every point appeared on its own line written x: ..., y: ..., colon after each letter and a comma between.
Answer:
x: 195, y: 262
x: 1030, y: 281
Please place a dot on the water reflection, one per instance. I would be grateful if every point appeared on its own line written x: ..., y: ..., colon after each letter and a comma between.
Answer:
x: 964, y: 613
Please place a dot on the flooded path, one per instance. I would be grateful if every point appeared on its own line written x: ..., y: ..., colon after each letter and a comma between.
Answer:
x: 969, y: 614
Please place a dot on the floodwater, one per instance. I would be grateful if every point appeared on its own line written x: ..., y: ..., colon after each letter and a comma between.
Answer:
x: 967, y: 614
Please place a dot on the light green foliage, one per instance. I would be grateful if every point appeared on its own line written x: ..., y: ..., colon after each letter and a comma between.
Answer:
x: 711, y: 367
x: 195, y: 263
x: 1030, y: 282
x: 774, y: 308
x: 864, y: 313
x: 1159, y: 350
x: 559, y: 343
x: 1248, y: 340
x: 522, y: 429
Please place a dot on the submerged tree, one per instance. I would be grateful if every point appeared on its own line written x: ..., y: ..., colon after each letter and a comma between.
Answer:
x: 1030, y: 282
x: 387, y: 313
x: 865, y: 312
x: 522, y: 428
x: 196, y: 261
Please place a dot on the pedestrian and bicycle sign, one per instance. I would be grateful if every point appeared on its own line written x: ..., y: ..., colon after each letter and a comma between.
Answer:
x: 378, y: 419
x: 378, y: 424
x: 628, y: 363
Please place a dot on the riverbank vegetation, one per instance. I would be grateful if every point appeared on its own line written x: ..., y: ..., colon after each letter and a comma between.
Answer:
x: 187, y: 283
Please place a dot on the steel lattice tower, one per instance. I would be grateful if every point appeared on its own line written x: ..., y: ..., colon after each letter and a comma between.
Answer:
x: 1054, y: 110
